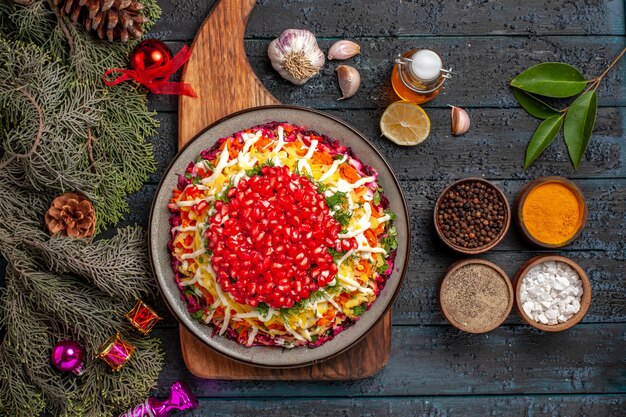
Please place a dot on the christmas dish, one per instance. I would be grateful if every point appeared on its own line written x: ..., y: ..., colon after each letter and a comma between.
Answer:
x: 160, y: 235
x: 280, y: 236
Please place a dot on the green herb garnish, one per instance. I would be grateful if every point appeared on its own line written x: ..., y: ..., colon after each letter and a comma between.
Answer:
x: 359, y: 310
x: 256, y: 170
x: 343, y: 217
x: 376, y: 199
x: 390, y: 242
x: 190, y: 290
x: 198, y: 315
x: 392, y: 215
x: 223, y: 196
x: 335, y: 253
x: 337, y: 199
x: 383, y: 268
x: 315, y: 296
x: 263, y: 309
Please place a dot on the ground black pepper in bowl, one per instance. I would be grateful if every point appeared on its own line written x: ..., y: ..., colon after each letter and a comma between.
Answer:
x: 475, y: 295
x: 472, y: 215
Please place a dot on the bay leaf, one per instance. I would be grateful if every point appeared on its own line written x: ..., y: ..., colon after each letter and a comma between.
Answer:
x: 579, y: 122
x: 544, y: 135
x: 533, y: 105
x: 551, y: 79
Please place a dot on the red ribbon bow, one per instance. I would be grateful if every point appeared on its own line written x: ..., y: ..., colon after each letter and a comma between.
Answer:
x: 149, y: 77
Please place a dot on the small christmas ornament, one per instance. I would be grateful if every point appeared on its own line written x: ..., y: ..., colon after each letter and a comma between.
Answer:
x: 152, y: 65
x: 150, y: 54
x: 67, y: 356
x: 181, y: 398
x: 142, y: 317
x: 108, y: 19
x: 116, y: 352
x: 72, y: 215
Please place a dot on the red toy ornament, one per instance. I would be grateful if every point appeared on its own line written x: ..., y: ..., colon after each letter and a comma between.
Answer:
x: 142, y: 317
x: 150, y: 54
x: 152, y: 64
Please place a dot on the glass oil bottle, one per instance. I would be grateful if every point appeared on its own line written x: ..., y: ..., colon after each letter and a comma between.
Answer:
x: 418, y: 76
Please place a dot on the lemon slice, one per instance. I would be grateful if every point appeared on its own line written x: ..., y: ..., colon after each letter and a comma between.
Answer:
x: 405, y: 123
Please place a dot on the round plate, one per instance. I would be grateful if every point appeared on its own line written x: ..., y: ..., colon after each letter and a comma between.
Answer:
x: 159, y: 235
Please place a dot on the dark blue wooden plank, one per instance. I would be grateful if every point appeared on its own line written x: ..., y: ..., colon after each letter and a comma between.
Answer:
x: 536, y: 406
x: 330, y: 18
x: 440, y: 360
x: 484, y: 66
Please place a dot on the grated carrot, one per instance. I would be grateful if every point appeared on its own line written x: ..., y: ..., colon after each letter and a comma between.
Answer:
x: 321, y: 158
x: 371, y: 237
x: 367, y: 269
x: 348, y: 172
x: 326, y: 318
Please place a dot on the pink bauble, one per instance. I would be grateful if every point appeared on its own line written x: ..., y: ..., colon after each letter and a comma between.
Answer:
x: 67, y: 356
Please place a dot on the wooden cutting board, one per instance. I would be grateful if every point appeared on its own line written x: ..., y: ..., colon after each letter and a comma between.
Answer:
x: 225, y: 83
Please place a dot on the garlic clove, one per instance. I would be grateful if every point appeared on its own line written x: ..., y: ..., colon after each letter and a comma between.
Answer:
x: 296, y: 55
x: 349, y: 81
x: 343, y: 49
x: 460, y: 121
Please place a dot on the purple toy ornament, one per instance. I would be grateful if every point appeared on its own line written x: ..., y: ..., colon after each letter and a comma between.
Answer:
x: 181, y: 398
x: 67, y: 356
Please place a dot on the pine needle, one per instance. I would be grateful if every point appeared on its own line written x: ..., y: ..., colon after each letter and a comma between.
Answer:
x: 62, y: 130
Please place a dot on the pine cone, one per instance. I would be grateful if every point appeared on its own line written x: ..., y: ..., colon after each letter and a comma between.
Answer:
x: 71, y: 215
x: 108, y: 19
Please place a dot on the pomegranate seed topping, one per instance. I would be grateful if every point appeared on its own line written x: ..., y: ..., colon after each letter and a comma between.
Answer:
x: 271, y: 241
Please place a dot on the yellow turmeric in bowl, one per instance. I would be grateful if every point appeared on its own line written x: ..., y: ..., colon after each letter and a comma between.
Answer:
x: 552, y: 213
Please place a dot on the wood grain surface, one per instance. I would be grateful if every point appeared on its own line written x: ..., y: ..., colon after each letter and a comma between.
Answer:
x: 535, y: 405
x: 435, y: 370
x: 219, y: 71
x: 440, y: 360
x: 225, y: 83
x: 483, y: 65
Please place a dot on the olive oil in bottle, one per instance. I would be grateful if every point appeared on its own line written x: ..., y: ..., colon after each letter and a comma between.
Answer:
x: 418, y: 76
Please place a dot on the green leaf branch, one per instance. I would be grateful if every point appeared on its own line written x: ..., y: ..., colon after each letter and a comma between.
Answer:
x: 539, y: 83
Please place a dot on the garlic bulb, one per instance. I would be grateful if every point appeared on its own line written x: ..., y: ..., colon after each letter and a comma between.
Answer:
x: 460, y: 121
x: 349, y: 80
x: 343, y: 50
x: 296, y: 56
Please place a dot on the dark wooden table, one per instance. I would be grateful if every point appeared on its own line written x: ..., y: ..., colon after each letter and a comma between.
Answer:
x: 435, y: 370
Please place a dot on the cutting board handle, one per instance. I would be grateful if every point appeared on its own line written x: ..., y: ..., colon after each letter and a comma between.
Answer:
x: 219, y: 71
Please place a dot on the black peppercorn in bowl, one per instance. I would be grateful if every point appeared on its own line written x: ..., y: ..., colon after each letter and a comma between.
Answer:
x: 472, y: 215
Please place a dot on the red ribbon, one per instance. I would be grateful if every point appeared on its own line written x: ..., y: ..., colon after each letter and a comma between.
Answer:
x: 149, y: 77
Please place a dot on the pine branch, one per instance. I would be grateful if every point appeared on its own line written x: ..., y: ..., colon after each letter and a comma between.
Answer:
x: 62, y: 130
x: 27, y: 344
x: 74, y: 103
x: 32, y: 149
x: 118, y: 266
x: 87, y: 312
x: 18, y: 396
